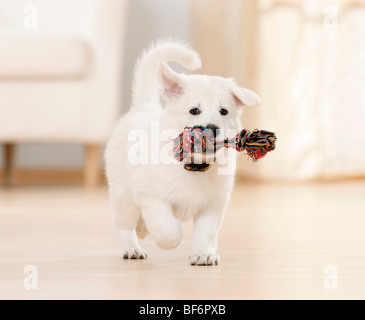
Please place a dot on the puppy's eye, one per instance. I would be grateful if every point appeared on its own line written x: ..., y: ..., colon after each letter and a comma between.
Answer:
x: 223, y: 112
x: 195, y: 111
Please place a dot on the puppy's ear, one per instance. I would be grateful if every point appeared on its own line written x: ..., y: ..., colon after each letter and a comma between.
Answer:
x: 245, y: 97
x: 171, y: 82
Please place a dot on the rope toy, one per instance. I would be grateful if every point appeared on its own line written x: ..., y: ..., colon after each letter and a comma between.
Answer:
x: 199, y: 139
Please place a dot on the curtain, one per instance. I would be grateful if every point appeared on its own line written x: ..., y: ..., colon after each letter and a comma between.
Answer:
x: 306, y: 59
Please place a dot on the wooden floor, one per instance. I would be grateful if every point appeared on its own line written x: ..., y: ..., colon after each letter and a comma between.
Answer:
x: 275, y: 243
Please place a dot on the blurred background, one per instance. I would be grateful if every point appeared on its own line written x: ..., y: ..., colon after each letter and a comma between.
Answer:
x: 66, y: 68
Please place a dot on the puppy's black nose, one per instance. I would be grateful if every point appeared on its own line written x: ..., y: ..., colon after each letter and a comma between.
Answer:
x: 214, y: 129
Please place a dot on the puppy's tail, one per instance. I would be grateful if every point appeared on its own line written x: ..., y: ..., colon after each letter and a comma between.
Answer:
x: 145, y: 88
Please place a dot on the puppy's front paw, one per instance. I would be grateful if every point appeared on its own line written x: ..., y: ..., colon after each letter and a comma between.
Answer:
x: 132, y: 253
x: 204, y: 259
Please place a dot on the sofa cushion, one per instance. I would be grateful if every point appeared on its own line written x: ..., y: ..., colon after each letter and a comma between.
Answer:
x: 43, y: 56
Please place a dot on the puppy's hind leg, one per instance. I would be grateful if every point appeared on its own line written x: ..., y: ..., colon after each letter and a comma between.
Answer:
x: 125, y: 217
x: 141, y: 228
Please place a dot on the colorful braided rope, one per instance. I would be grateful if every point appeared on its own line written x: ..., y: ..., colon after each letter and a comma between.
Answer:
x: 199, y: 139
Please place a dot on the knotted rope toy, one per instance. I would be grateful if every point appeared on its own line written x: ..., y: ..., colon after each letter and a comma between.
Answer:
x: 199, y: 139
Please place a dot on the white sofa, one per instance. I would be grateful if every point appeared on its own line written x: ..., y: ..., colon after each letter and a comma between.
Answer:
x: 60, y: 74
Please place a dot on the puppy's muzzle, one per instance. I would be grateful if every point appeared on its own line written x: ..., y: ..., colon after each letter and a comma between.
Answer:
x: 214, y: 129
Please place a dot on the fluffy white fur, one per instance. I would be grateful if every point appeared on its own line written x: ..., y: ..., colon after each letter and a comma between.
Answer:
x: 152, y: 198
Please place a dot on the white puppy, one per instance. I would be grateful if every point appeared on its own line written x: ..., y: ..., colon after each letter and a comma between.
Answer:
x: 151, y: 195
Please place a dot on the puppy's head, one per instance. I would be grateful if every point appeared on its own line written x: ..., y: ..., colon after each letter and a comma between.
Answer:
x: 210, y: 101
